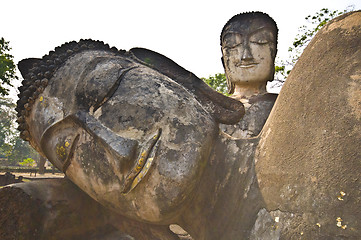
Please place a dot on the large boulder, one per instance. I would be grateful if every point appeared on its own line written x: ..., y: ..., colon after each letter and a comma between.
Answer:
x: 308, y: 161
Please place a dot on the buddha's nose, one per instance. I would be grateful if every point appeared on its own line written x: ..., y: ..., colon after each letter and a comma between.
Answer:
x: 122, y: 150
x: 247, y: 53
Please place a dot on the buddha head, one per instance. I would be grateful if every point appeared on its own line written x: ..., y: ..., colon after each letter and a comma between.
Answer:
x: 249, y: 47
x: 129, y: 136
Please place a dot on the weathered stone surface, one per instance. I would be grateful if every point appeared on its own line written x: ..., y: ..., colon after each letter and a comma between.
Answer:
x: 133, y: 131
x: 227, y: 201
x: 147, y: 147
x: 42, y: 210
x: 104, y: 138
x: 303, y: 181
x: 9, y: 178
x: 249, y: 47
x: 308, y: 160
x: 257, y: 110
x: 57, y: 209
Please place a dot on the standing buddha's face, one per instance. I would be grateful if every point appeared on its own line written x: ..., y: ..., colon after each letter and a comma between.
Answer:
x: 249, y: 49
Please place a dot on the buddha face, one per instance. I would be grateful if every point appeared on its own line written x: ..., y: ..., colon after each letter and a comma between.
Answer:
x: 128, y: 136
x: 249, y: 49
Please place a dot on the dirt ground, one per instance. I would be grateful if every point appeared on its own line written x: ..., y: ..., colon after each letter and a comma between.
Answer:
x: 37, y: 176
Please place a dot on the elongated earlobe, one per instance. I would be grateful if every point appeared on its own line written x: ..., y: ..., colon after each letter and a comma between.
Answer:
x: 230, y: 86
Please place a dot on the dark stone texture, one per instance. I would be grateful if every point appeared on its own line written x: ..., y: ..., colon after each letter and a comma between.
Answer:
x: 9, y: 178
x: 308, y: 159
x: 145, y: 149
x: 258, y: 109
x: 57, y: 210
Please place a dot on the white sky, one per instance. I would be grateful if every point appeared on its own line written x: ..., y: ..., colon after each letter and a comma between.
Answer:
x: 186, y: 31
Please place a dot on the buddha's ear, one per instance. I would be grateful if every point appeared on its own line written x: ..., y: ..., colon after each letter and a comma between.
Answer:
x: 26, y: 64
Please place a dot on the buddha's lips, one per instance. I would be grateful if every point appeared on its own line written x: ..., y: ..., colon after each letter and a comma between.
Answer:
x: 247, y: 65
x: 142, y: 166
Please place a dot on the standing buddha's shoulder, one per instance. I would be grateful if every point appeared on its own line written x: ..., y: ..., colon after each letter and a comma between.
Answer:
x: 257, y: 109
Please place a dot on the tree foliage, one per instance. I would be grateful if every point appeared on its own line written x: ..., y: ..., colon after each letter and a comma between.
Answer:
x: 28, y: 162
x: 21, y: 150
x: 7, y: 129
x: 305, y: 34
x: 7, y: 67
x: 12, y: 146
x: 7, y: 120
x: 217, y: 82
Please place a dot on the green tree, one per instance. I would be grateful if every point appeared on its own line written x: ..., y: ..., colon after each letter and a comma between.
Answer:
x: 28, y: 162
x: 12, y: 146
x: 7, y: 120
x: 21, y: 150
x: 217, y: 82
x: 7, y: 129
x: 306, y: 32
x: 7, y: 68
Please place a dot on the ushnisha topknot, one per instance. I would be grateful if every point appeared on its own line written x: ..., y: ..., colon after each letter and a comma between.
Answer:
x: 38, y: 72
x: 245, y: 15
